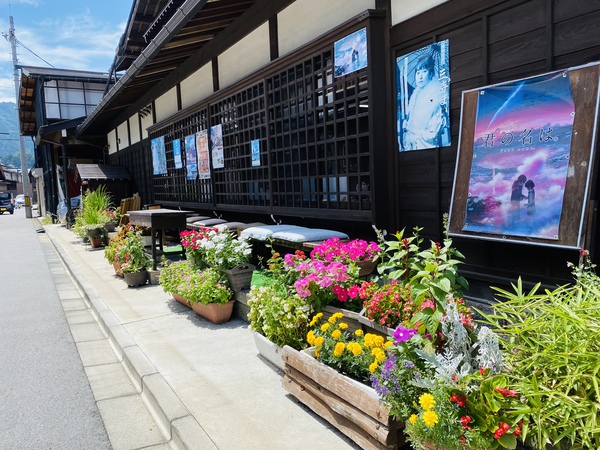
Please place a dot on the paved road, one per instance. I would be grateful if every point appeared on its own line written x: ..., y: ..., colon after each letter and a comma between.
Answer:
x: 45, y: 396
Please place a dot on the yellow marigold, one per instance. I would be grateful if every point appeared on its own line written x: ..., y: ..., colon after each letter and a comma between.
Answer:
x: 378, y: 341
x: 317, y: 353
x: 380, y: 355
x: 332, y: 320
x: 343, y: 326
x: 324, y: 327
x: 388, y: 344
x: 358, y: 333
x: 319, y: 341
x: 412, y: 419
x: 339, y: 349
x: 368, y: 340
x: 336, y: 334
x: 373, y: 367
x: 427, y: 401
x: 430, y: 418
x: 310, y: 337
x: 357, y: 349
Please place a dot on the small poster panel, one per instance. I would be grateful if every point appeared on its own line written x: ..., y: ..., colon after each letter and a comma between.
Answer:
x: 191, y: 163
x: 177, y: 154
x: 423, y: 80
x: 159, y: 156
x: 255, y: 146
x: 203, y: 155
x: 350, y: 53
x: 216, y: 139
x: 521, y: 154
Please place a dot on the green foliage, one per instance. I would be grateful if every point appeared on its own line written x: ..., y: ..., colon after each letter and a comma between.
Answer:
x: 207, y: 286
x: 552, y: 347
x: 174, y: 277
x: 131, y: 253
x: 279, y: 316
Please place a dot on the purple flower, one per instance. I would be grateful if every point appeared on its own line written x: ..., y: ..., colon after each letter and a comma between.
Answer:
x: 403, y: 334
x: 409, y: 364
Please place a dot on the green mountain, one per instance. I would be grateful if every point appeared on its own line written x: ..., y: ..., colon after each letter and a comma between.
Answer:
x: 10, y: 152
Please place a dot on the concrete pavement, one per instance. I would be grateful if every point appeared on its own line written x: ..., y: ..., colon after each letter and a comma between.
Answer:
x: 205, y: 384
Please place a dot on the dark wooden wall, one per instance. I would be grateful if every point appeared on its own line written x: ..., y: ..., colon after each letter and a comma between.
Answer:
x: 490, y: 41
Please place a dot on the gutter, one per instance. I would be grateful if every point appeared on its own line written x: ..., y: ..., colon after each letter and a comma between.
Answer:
x: 180, y: 18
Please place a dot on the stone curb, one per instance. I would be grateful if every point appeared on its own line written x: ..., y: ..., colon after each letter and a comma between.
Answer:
x: 176, y: 422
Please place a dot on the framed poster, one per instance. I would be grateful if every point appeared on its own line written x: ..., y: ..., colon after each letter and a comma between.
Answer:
x: 177, y: 154
x: 350, y: 53
x: 525, y: 154
x: 216, y: 139
x: 159, y: 156
x: 191, y: 163
x: 203, y: 155
x: 255, y: 146
x: 423, y: 93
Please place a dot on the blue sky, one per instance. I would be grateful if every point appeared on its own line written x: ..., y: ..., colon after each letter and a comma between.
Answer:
x: 69, y: 34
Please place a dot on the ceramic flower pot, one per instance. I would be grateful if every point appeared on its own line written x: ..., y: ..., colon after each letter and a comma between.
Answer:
x: 110, y: 226
x: 215, y: 312
x: 136, y: 278
x: 268, y: 350
x: 365, y: 267
x: 240, y: 276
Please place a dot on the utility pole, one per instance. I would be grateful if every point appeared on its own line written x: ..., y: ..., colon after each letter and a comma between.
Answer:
x: 24, y: 169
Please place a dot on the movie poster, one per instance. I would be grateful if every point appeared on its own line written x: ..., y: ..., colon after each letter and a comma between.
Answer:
x: 203, y: 155
x: 159, y: 156
x: 177, y: 154
x: 255, y: 146
x: 216, y: 139
x: 191, y: 164
x: 350, y: 53
x: 423, y: 80
x: 521, y: 154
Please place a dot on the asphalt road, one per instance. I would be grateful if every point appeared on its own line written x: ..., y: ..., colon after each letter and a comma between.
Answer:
x: 45, y: 398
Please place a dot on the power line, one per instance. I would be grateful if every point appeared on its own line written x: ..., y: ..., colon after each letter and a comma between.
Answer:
x: 33, y: 53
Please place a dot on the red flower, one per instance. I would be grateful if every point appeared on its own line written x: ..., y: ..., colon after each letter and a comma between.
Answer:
x: 505, y: 427
x: 482, y: 370
x: 460, y: 400
x: 507, y: 392
x: 465, y: 421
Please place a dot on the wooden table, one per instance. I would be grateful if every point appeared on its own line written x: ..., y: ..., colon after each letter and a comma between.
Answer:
x: 159, y: 219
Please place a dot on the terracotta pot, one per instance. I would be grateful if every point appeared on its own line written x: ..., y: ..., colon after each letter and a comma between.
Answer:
x: 96, y: 242
x: 181, y: 300
x: 136, y: 278
x: 215, y: 312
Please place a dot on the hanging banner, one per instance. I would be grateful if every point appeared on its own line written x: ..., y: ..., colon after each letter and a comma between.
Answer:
x: 203, y: 155
x: 216, y: 140
x: 521, y: 151
x: 423, y: 80
x: 177, y: 154
x: 159, y: 156
x: 350, y: 53
x: 255, y: 146
x: 190, y: 157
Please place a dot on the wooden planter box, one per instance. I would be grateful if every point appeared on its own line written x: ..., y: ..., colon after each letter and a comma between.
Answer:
x: 352, y: 407
x: 369, y: 326
x: 350, y: 317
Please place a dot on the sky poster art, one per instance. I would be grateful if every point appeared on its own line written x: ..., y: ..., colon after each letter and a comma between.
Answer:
x: 216, y: 140
x: 203, y: 155
x: 521, y: 152
x: 191, y: 163
x: 350, y: 53
x: 255, y: 146
x: 423, y: 96
x: 159, y: 156
x: 177, y: 154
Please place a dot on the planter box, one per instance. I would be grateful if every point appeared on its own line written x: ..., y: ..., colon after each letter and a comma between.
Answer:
x: 369, y: 326
x: 215, y: 312
x: 268, y: 350
x: 182, y: 300
x: 350, y: 317
x: 352, y: 407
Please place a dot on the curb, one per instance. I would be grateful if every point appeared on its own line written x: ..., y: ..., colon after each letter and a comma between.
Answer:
x: 176, y: 422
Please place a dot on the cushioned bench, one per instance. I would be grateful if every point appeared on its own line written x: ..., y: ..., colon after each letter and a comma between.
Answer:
x: 291, y: 235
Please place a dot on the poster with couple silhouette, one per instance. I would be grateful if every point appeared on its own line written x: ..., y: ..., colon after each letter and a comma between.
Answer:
x: 521, y: 150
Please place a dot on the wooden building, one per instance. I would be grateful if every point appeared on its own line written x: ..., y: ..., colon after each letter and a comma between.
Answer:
x: 313, y: 88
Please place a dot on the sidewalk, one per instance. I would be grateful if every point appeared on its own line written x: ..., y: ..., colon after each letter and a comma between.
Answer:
x: 205, y: 383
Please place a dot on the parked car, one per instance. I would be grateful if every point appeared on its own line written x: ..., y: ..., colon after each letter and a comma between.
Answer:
x: 7, y: 203
x: 20, y: 200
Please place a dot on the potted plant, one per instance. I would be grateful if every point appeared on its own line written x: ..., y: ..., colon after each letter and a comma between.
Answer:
x: 194, y: 241
x: 209, y: 295
x: 357, y: 251
x: 330, y: 379
x: 550, y: 343
x: 112, y: 250
x: 134, y: 259
x: 277, y: 318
